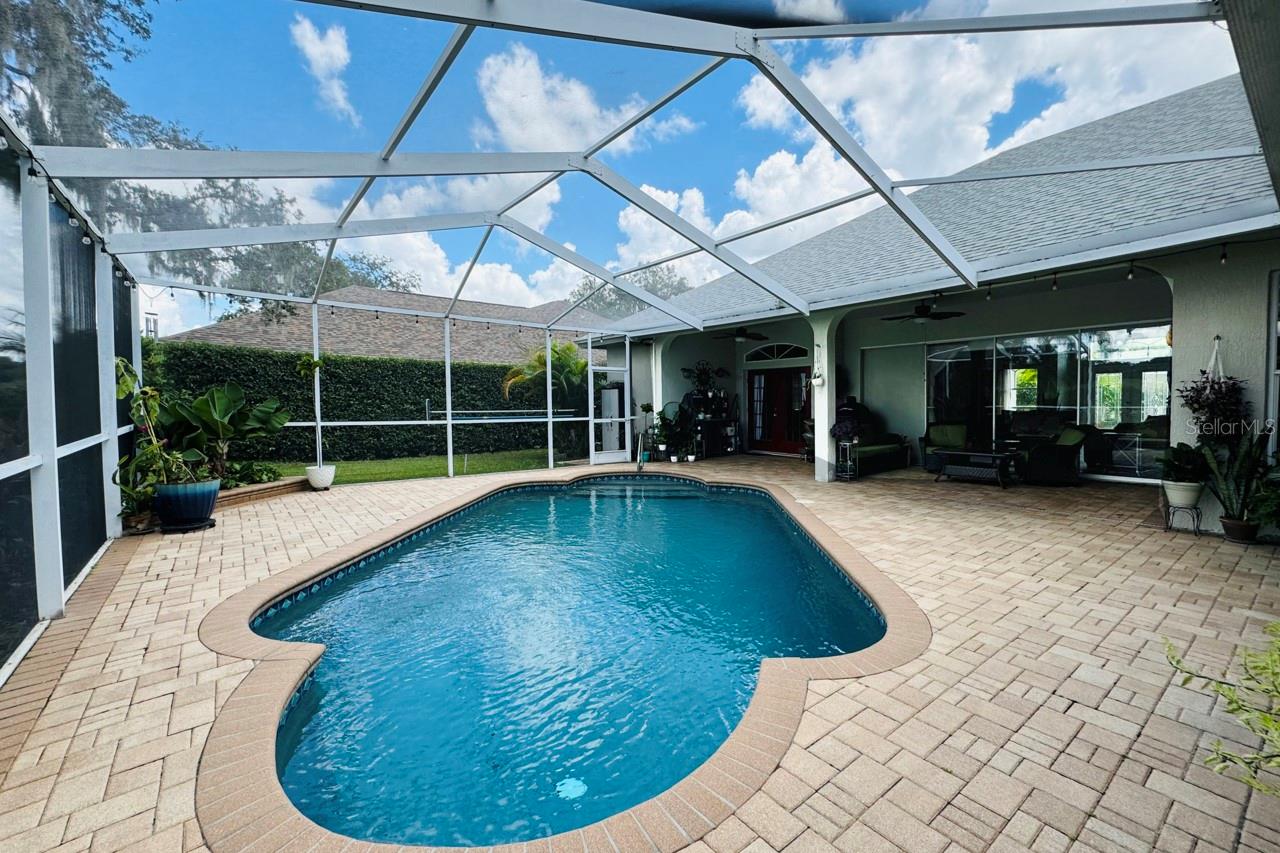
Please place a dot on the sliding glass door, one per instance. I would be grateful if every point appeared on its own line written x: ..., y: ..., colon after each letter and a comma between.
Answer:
x: 1014, y: 392
x: 1126, y: 399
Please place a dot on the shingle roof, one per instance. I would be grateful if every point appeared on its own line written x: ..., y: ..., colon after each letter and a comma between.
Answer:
x: 1031, y: 217
x: 352, y: 332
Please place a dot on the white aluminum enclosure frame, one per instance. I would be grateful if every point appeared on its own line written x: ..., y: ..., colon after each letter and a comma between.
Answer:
x: 599, y: 22
x: 619, y: 25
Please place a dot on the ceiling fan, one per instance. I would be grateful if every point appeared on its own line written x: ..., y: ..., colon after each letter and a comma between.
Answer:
x: 923, y: 313
x: 742, y: 334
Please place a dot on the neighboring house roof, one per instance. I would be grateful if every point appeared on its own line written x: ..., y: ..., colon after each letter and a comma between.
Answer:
x: 1001, y: 224
x: 358, y: 332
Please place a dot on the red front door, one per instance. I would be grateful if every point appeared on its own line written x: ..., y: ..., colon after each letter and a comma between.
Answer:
x: 778, y: 406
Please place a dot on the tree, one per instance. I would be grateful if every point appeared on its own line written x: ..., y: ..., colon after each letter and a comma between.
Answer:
x: 611, y: 303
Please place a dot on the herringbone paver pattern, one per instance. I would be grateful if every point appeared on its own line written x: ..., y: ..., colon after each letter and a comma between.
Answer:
x: 1043, y: 716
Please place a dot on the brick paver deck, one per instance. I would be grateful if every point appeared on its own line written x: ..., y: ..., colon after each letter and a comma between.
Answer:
x: 1042, y: 716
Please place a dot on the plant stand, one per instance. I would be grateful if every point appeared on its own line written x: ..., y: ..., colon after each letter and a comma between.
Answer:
x: 1170, y: 512
x: 846, y: 461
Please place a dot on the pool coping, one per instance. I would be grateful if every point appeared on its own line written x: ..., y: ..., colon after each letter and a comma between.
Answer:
x: 240, y: 802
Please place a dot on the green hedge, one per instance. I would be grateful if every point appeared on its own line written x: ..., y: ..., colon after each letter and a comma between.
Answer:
x: 355, y: 388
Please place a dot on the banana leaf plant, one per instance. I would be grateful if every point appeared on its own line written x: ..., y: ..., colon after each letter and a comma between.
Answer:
x: 155, y: 461
x: 213, y: 421
x: 1237, y: 476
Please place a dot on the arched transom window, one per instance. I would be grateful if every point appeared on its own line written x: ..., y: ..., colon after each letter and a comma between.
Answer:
x: 776, y: 352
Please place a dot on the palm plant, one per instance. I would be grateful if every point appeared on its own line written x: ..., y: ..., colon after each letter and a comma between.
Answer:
x: 568, y: 373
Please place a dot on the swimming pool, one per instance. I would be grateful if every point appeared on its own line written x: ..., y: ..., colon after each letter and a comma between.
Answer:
x: 549, y: 657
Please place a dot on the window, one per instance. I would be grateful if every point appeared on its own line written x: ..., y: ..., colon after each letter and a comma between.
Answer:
x: 1155, y: 393
x: 1020, y: 388
x: 776, y: 352
x: 1108, y: 389
x: 151, y: 326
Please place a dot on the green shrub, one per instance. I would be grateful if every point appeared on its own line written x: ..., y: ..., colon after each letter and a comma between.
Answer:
x: 355, y: 388
x: 1254, y: 700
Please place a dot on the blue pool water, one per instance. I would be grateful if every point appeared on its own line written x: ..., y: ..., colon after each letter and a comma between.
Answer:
x: 549, y: 658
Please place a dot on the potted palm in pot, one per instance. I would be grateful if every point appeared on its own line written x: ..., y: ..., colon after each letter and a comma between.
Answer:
x: 1236, y: 477
x: 176, y: 483
x: 1182, y: 478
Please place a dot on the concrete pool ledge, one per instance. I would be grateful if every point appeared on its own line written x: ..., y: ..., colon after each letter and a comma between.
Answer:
x: 240, y: 803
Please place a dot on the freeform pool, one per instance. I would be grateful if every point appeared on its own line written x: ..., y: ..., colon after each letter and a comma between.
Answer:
x: 549, y: 657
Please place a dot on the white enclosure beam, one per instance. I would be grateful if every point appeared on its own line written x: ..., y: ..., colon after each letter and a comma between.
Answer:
x: 217, y: 238
x: 429, y: 85
x: 104, y: 308
x: 434, y: 78
x: 316, y: 407
x: 188, y: 164
x: 42, y: 410
x: 448, y: 391
x: 466, y: 276
x: 590, y: 267
x: 551, y: 413
x: 622, y: 129
x: 772, y: 66
x: 567, y: 19
x: 354, y: 306
x: 689, y: 231
x: 1172, y: 13
x: 969, y: 177
x: 161, y: 284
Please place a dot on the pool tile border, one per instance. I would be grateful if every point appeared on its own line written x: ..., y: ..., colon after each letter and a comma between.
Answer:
x: 240, y: 802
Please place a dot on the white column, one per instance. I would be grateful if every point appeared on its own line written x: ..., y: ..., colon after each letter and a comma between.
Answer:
x: 42, y: 413
x: 551, y: 435
x: 591, y: 404
x: 135, y: 313
x: 657, y: 355
x: 104, y: 302
x: 627, y: 411
x: 824, y: 394
x: 448, y: 391
x: 315, y: 383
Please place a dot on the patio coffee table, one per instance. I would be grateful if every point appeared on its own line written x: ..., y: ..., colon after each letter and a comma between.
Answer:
x: 984, y: 465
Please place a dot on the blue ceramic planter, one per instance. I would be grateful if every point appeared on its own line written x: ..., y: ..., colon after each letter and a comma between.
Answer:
x: 187, y: 506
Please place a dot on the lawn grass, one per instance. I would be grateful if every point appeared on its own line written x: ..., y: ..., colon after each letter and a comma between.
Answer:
x: 412, y: 468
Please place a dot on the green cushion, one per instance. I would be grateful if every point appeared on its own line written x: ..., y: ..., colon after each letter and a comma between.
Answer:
x: 867, y: 450
x: 948, y: 435
x: 1071, y: 436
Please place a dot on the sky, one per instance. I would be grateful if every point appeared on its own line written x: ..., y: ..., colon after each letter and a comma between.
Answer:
x: 728, y: 154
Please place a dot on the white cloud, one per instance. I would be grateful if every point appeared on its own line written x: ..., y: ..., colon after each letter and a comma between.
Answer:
x: 922, y: 104
x: 327, y: 57
x: 818, y: 11
x: 530, y: 108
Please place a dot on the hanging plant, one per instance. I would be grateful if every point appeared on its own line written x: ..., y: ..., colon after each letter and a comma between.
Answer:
x: 1219, y: 410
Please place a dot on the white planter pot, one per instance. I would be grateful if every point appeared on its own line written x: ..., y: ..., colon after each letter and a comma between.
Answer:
x: 675, y: 458
x: 662, y: 448
x: 692, y: 458
x: 1182, y: 494
x: 321, y: 476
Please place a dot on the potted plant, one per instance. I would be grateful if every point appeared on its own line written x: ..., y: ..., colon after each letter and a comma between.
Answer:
x: 1218, y: 408
x: 1235, y: 478
x: 1183, y: 474
x: 662, y: 432
x: 319, y: 475
x: 690, y: 453
x: 176, y: 483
